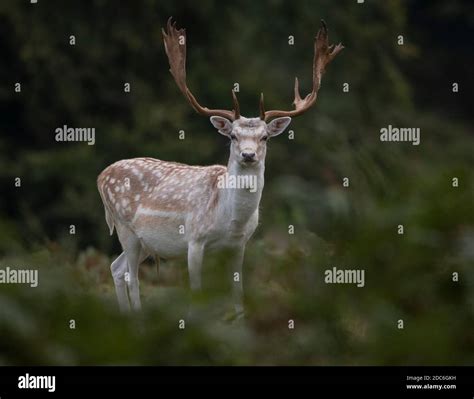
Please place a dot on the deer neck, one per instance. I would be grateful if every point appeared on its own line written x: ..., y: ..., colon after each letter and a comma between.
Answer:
x: 241, y: 202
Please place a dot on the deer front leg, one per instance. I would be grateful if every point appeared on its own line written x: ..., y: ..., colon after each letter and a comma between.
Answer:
x: 237, y: 287
x: 195, y: 255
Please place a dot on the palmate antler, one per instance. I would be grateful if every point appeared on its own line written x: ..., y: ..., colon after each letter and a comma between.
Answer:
x: 175, y: 47
x: 323, y: 55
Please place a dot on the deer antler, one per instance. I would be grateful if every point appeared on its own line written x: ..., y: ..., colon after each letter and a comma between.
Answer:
x: 323, y: 55
x: 175, y: 47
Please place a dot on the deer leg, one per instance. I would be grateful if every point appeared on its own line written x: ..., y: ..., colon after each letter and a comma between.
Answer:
x: 195, y: 255
x: 237, y: 287
x: 118, y: 268
x: 157, y: 263
x: 135, y: 257
x: 133, y: 253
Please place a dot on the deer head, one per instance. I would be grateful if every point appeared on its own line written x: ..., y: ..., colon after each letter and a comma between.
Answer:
x: 248, y: 135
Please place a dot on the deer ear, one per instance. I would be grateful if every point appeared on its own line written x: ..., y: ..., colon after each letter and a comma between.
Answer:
x: 278, y: 126
x: 223, y: 125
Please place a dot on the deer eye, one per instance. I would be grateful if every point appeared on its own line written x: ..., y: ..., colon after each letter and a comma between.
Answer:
x: 233, y: 137
x: 264, y: 138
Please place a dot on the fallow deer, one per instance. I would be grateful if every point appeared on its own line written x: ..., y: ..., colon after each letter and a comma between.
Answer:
x: 167, y: 209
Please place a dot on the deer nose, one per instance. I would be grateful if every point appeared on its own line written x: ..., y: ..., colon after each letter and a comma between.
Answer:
x: 248, y: 156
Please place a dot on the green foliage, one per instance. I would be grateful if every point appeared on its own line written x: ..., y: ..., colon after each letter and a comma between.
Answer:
x: 408, y: 276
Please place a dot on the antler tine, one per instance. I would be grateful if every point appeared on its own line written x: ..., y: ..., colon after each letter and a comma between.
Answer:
x: 175, y: 46
x: 262, y: 108
x: 236, y: 105
x: 297, y: 91
x: 323, y: 55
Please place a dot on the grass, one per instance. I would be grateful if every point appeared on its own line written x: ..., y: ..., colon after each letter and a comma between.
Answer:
x: 333, y: 324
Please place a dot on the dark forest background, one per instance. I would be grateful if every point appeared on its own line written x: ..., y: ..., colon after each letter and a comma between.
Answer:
x: 408, y: 277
